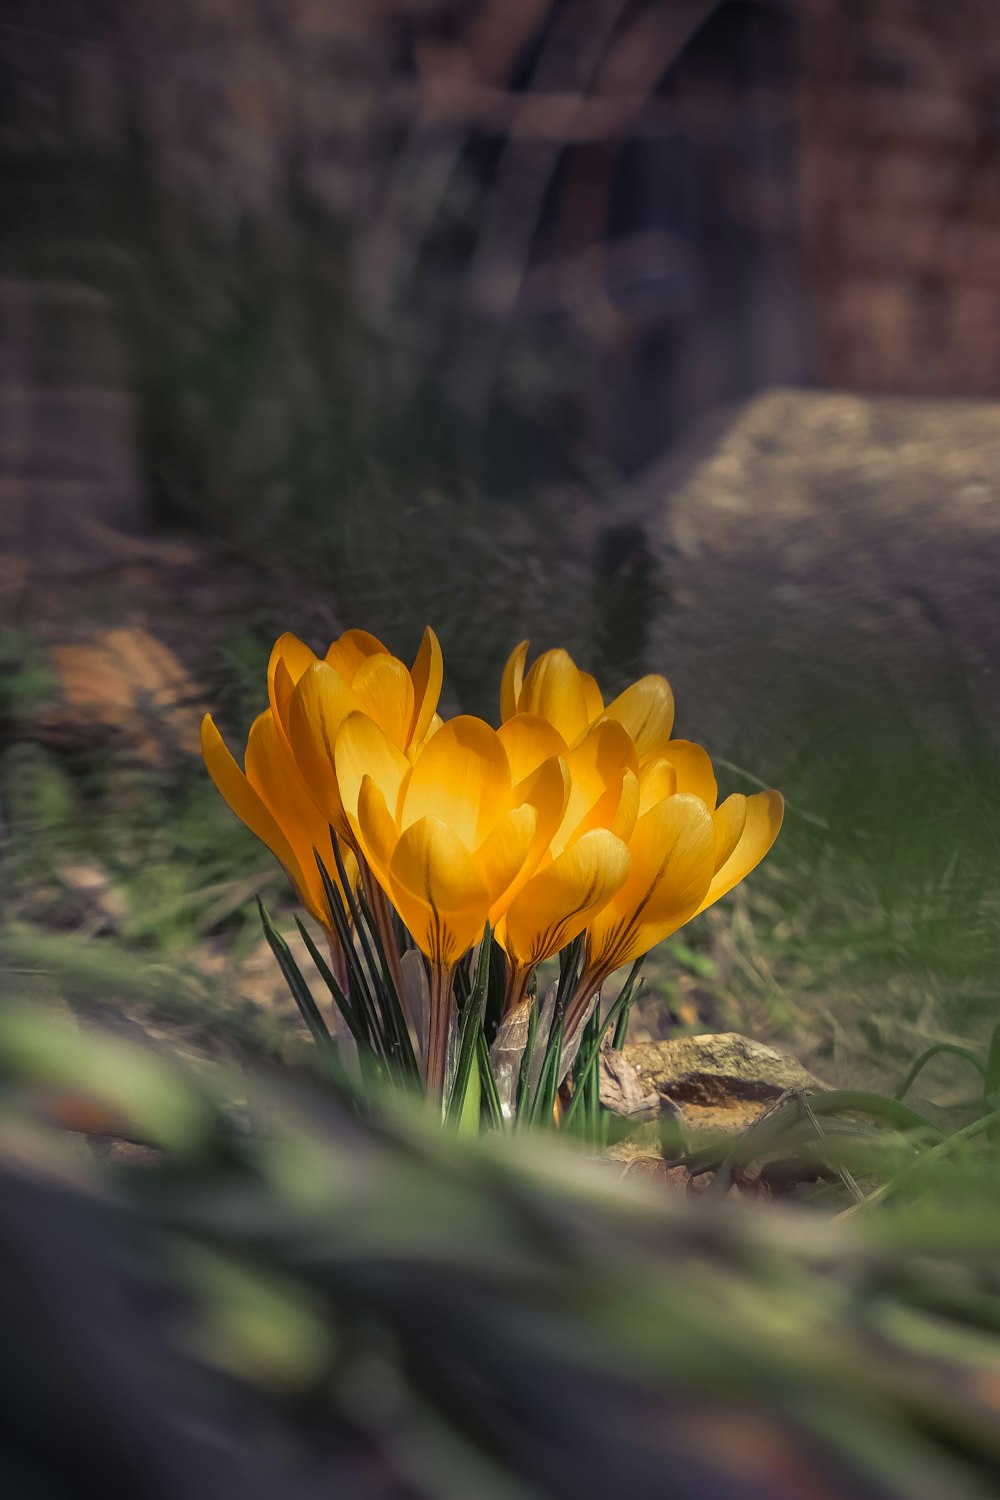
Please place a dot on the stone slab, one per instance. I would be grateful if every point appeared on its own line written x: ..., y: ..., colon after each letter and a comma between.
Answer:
x: 815, y: 533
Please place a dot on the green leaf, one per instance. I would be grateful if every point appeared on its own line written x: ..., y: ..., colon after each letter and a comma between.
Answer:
x: 470, y: 1028
x: 300, y: 991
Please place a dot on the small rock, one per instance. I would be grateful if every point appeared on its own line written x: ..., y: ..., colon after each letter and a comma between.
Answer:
x: 721, y: 1082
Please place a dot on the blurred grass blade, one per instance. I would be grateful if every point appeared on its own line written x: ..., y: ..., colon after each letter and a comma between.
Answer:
x: 991, y: 1072
x: 925, y: 1057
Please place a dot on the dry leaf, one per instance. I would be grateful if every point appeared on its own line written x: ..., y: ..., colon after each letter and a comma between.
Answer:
x: 127, y: 686
x: 623, y: 1091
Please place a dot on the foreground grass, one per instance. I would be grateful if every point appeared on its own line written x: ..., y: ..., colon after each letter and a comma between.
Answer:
x: 385, y: 1307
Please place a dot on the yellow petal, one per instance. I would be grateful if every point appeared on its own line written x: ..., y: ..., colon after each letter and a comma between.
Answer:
x: 694, y: 770
x: 597, y: 767
x: 352, y: 650
x: 437, y: 891
x: 375, y: 830
x: 462, y: 778
x: 273, y: 775
x: 592, y: 697
x: 512, y: 681
x: 657, y: 779
x: 433, y: 726
x: 385, y: 692
x: 553, y: 689
x: 282, y: 688
x: 246, y: 803
x: 320, y: 704
x: 647, y: 711
x: 624, y: 821
x: 296, y: 657
x: 363, y: 749
x: 764, y: 814
x: 528, y: 740
x: 729, y: 819
x: 564, y: 897
x: 673, y: 855
x: 427, y: 676
x: 547, y: 791
x: 501, y: 856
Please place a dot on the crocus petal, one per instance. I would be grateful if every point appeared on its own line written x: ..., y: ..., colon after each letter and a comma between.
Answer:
x: 427, y: 676
x: 320, y: 704
x: 730, y: 819
x: 597, y: 766
x: 363, y: 749
x: 564, y: 897
x: 501, y: 856
x: 385, y: 692
x: 592, y: 697
x: 512, y: 681
x: 351, y: 650
x: 246, y: 803
x: 553, y: 689
x: 694, y: 770
x: 528, y: 740
x: 282, y: 688
x: 624, y: 821
x: 647, y: 711
x: 438, y: 891
x: 375, y: 830
x: 273, y: 775
x: 433, y: 727
x: 764, y: 813
x: 297, y: 658
x: 673, y: 856
x: 462, y: 777
x: 547, y: 791
x: 657, y: 779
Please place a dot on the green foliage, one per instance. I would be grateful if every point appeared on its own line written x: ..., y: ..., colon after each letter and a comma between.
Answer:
x: 899, y: 833
x: 391, y: 1308
x: 26, y: 679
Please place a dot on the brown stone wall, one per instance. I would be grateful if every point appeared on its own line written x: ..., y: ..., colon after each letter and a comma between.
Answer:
x: 900, y: 192
x: 895, y: 216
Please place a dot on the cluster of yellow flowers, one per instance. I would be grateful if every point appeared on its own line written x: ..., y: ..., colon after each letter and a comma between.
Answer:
x: 575, y: 816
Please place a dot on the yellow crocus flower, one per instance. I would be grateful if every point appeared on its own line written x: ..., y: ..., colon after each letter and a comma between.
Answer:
x: 310, y: 699
x: 587, y: 859
x: 555, y: 689
x: 451, y: 837
x: 744, y: 827
x: 271, y: 799
x: 685, y: 854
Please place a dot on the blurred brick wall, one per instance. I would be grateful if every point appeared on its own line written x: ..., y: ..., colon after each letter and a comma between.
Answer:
x: 900, y: 192
x: 893, y: 183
